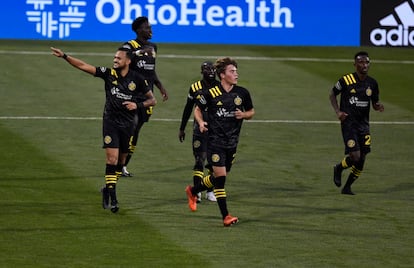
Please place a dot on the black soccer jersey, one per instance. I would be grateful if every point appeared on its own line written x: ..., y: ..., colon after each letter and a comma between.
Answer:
x: 194, y: 90
x: 356, y: 98
x: 143, y: 63
x: 223, y: 127
x: 119, y: 89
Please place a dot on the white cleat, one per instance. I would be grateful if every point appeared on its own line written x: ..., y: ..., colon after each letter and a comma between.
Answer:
x: 211, y: 197
x: 125, y: 172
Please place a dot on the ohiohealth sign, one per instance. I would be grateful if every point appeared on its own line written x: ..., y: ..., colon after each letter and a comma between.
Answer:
x: 258, y: 22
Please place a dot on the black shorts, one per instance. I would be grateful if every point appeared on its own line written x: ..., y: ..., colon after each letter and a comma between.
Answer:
x: 355, y: 140
x: 115, y: 136
x: 200, y: 144
x: 220, y: 157
x: 145, y: 113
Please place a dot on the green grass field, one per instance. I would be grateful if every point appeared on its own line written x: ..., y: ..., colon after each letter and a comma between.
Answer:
x: 291, y: 214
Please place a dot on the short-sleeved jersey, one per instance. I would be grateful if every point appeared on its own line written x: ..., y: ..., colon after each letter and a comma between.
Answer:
x: 356, y: 98
x: 143, y: 63
x: 118, y: 89
x: 194, y: 90
x: 223, y: 127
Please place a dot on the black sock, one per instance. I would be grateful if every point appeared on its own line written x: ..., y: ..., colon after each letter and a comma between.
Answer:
x: 197, y: 176
x: 350, y: 181
x: 222, y: 203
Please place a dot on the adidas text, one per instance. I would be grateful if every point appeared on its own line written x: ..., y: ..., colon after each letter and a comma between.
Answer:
x: 394, y: 37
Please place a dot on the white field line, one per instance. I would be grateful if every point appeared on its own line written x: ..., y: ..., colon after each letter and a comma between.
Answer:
x: 175, y: 56
x: 178, y: 120
x: 204, y: 57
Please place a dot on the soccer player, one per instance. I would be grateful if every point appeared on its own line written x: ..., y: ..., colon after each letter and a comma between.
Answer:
x: 199, y: 139
x: 143, y: 61
x: 227, y: 105
x: 126, y: 91
x: 358, y: 91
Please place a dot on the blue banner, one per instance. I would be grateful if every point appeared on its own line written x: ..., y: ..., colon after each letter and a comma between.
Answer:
x: 252, y: 22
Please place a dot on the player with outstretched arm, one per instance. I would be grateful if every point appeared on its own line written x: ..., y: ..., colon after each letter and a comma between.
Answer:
x: 126, y: 91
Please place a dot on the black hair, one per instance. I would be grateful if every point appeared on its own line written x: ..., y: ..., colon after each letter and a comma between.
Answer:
x: 361, y: 53
x: 206, y: 63
x: 127, y: 50
x: 138, y: 22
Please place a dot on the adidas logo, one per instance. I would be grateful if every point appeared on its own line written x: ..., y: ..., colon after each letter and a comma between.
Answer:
x: 396, y: 31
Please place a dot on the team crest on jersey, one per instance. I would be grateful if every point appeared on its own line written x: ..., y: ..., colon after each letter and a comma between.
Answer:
x: 368, y: 91
x: 215, y: 158
x: 107, y: 139
x: 238, y: 101
x: 353, y: 91
x: 351, y: 143
x: 132, y: 86
x: 196, y: 144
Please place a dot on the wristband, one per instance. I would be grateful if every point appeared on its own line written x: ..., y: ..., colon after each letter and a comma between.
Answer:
x: 64, y: 56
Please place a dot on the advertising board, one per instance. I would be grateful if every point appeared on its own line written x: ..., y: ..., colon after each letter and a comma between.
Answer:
x: 253, y: 22
x: 387, y: 24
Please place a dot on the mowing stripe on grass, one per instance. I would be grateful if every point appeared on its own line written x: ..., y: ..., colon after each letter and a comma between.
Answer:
x: 178, y: 120
x: 178, y: 56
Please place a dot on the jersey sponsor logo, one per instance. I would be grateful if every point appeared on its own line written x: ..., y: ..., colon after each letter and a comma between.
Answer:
x: 355, y: 101
x: 222, y: 112
x: 142, y: 64
x: 119, y: 95
x: 395, y: 29
x: 70, y: 14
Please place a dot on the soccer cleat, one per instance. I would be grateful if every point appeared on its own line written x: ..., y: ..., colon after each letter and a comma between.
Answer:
x: 199, y: 198
x: 347, y: 190
x: 210, y: 196
x: 192, y: 199
x: 105, y: 197
x: 114, y: 206
x: 337, y: 176
x: 230, y: 220
x: 125, y: 172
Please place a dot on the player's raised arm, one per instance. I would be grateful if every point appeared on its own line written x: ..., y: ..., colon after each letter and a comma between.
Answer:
x: 75, y: 62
